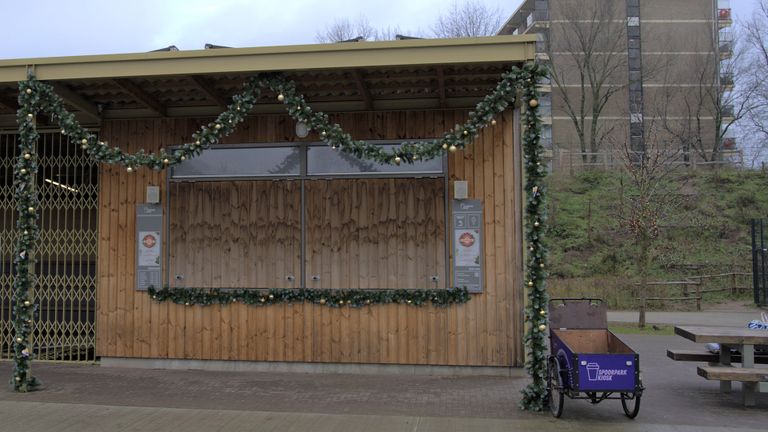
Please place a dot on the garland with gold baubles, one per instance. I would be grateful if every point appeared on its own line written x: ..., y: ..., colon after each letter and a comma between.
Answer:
x: 36, y: 97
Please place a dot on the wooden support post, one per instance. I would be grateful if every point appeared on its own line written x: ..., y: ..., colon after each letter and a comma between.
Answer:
x: 725, y: 360
x: 698, y: 296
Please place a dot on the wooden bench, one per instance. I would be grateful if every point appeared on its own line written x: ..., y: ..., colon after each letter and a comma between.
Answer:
x: 730, y: 373
x: 749, y: 378
x: 708, y: 357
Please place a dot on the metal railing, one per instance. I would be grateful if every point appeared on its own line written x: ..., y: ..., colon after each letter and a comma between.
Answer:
x: 566, y: 161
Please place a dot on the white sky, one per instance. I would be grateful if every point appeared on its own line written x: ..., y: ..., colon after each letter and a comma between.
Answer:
x: 43, y: 28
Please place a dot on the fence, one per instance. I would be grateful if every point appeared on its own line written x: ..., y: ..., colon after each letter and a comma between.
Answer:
x: 759, y: 262
x: 701, y: 286
x: 566, y: 161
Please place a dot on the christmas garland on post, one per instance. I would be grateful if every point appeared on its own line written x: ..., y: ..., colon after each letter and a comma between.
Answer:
x: 36, y: 97
x: 535, y: 395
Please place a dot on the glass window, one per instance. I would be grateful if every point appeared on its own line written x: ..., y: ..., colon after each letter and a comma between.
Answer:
x: 323, y: 160
x: 238, y: 162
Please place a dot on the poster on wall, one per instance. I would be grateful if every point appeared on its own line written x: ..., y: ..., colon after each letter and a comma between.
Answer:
x: 149, y: 222
x: 467, y: 218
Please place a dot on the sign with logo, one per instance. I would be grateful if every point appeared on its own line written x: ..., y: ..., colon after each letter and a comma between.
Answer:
x: 149, y: 223
x: 607, y: 372
x: 467, y: 218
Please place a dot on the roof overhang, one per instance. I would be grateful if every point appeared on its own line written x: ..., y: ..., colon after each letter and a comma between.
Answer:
x: 134, y: 82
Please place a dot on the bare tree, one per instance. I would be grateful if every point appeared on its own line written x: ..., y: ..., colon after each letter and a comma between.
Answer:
x: 468, y: 19
x: 650, y: 197
x: 343, y: 29
x: 699, y: 115
x: 755, y: 31
x: 587, y: 49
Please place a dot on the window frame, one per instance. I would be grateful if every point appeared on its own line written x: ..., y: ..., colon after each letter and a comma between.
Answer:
x: 302, y: 177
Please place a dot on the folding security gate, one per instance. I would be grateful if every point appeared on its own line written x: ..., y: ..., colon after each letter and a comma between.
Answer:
x: 65, y: 294
x: 760, y: 262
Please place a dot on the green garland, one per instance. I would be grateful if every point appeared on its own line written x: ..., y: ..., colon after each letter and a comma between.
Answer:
x: 36, y: 97
x: 327, y: 297
x: 535, y: 395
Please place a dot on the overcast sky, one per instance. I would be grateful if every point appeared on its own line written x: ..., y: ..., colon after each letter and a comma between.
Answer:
x: 43, y: 28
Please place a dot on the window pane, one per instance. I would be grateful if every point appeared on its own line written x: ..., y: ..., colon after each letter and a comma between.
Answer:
x: 241, y: 162
x: 323, y: 160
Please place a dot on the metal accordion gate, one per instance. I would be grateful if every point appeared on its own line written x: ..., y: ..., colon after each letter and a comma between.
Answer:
x: 65, y: 293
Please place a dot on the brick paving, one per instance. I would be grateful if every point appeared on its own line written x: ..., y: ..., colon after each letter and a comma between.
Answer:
x: 84, y: 398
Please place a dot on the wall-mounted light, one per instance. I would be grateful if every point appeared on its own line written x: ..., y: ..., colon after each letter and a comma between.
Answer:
x: 63, y: 186
x: 302, y: 129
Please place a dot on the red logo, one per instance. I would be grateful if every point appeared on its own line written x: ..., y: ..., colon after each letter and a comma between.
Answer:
x: 149, y: 241
x: 467, y: 239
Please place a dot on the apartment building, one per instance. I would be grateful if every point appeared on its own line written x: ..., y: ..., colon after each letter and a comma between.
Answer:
x: 633, y: 74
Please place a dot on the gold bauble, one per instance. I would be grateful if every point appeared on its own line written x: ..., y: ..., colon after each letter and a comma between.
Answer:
x: 533, y: 103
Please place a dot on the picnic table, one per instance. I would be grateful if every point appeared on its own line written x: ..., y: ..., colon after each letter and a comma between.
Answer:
x: 744, y: 340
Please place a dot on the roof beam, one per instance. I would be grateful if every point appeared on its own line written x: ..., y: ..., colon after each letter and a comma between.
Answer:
x: 144, y: 97
x: 496, y: 49
x: 362, y: 89
x: 86, y: 108
x: 210, y: 92
x: 441, y: 85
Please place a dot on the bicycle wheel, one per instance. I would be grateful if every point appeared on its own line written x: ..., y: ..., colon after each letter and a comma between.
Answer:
x: 631, y: 405
x: 556, y: 396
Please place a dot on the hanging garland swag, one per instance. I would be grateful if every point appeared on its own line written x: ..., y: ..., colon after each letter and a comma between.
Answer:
x: 37, y: 97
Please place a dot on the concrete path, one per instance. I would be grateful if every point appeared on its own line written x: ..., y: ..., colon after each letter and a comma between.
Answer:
x: 712, y: 318
x: 92, y: 398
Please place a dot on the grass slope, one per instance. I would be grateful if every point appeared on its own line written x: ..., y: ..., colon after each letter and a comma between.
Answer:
x: 592, y: 253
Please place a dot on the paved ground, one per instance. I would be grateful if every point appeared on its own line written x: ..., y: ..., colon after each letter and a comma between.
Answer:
x: 90, y: 398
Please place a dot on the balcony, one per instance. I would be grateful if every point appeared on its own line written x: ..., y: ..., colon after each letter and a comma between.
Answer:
x: 726, y: 81
x: 729, y: 143
x: 724, y: 18
x: 538, y: 18
x: 725, y: 44
x: 727, y: 112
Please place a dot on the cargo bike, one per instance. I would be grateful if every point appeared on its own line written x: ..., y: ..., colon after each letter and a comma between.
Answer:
x: 586, y: 360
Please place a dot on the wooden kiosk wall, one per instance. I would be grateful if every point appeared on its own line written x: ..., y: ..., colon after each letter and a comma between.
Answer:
x: 484, y: 332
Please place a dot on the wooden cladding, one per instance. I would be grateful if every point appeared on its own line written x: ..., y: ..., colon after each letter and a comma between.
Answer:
x: 375, y: 233
x: 243, y: 234
x: 360, y: 233
x: 485, y: 332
